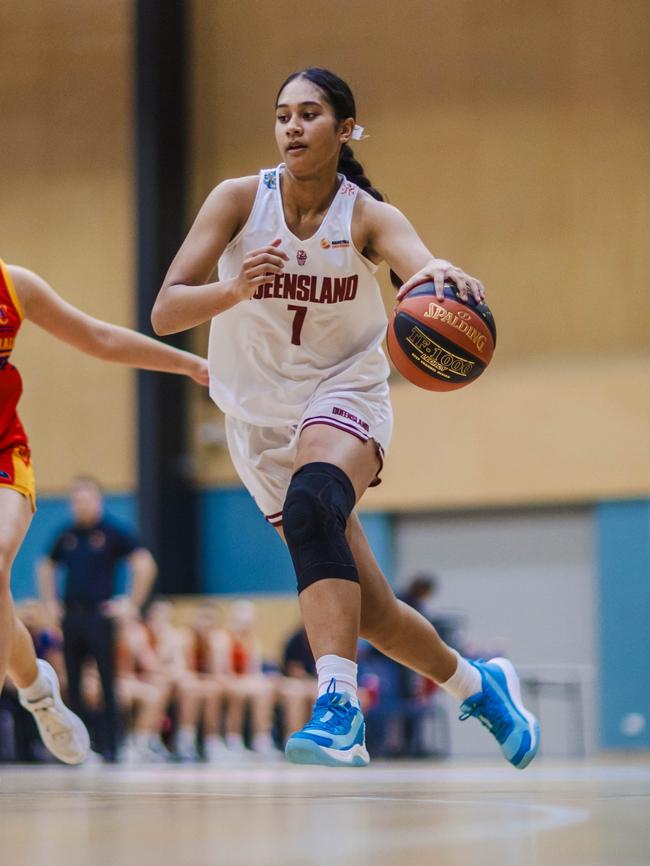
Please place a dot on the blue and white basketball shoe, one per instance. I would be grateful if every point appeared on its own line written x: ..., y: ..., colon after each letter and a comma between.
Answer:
x: 498, y: 707
x: 335, y: 735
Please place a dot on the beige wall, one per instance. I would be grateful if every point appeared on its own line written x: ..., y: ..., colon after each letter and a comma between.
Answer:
x: 514, y: 136
x: 67, y: 212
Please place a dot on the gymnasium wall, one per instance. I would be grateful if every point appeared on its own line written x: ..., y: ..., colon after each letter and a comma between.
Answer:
x: 524, y: 163
x: 513, y: 135
x: 67, y: 212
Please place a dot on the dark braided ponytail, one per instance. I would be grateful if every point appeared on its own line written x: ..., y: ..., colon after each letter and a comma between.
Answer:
x: 340, y: 97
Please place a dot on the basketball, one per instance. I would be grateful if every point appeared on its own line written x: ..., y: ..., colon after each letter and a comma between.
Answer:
x: 440, y: 345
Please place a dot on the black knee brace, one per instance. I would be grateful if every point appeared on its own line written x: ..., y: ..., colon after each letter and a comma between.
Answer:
x: 319, y: 501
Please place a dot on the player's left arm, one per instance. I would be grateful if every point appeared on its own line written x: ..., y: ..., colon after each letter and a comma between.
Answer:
x: 44, y: 307
x: 392, y: 238
x: 143, y: 574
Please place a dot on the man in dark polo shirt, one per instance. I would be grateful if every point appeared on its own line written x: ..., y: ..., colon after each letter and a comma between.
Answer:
x: 87, y: 554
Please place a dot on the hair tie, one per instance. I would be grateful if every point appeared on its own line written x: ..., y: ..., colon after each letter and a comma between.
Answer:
x: 357, y: 133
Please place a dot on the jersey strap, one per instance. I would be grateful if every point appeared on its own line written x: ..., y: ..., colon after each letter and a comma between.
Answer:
x: 8, y: 291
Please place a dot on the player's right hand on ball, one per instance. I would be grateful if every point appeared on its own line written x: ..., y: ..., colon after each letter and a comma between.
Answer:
x: 258, y: 268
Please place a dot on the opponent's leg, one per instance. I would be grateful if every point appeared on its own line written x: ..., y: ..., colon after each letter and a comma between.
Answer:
x: 15, y: 517
x: 490, y: 691
x: 38, y: 687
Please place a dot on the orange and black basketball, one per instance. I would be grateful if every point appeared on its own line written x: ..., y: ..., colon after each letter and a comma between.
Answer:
x: 440, y: 345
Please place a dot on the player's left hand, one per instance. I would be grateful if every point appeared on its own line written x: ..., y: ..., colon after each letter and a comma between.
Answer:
x: 199, y: 371
x: 440, y: 271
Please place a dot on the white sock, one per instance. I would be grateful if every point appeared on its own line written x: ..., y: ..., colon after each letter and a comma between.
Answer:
x: 263, y: 743
x: 185, y: 737
x: 235, y: 742
x: 342, y: 671
x: 465, y: 680
x: 140, y: 740
x: 40, y: 688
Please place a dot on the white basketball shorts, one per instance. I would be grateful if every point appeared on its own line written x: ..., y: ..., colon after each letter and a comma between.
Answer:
x: 264, y: 457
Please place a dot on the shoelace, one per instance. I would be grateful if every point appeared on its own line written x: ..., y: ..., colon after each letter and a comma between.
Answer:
x: 491, y: 715
x: 49, y: 717
x: 338, y: 711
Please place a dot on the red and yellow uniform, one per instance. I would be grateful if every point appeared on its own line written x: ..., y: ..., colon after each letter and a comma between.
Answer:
x: 15, y: 460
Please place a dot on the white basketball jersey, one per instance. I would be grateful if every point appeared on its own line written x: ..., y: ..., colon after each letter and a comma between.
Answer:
x: 317, y: 326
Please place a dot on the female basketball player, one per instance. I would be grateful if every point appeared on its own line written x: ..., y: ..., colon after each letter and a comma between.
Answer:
x: 296, y: 365
x: 25, y: 295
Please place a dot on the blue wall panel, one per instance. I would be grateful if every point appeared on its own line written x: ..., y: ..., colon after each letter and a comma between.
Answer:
x: 624, y: 598
x: 52, y: 515
x: 242, y: 554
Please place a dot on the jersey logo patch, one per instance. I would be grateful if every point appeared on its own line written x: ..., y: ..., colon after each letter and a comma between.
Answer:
x: 97, y: 540
x: 337, y: 245
x: 5, y: 475
x: 4, y: 318
x: 301, y: 257
x: 269, y: 179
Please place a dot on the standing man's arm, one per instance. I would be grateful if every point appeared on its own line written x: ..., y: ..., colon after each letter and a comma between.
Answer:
x: 46, y: 577
x: 46, y: 580
x: 125, y: 545
x: 143, y: 573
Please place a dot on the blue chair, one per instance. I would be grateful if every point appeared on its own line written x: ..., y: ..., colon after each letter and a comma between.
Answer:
x: 402, y: 724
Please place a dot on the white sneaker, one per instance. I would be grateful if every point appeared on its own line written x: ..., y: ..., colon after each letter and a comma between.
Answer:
x: 264, y: 747
x: 237, y: 748
x: 215, y: 750
x: 186, y: 753
x: 155, y: 751
x: 143, y: 750
x: 63, y: 733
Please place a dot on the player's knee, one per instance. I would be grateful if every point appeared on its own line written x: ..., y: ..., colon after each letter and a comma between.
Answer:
x: 316, y: 510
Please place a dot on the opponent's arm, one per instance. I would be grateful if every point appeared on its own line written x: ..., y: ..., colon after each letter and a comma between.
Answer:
x: 44, y: 307
x: 392, y: 238
x: 186, y: 298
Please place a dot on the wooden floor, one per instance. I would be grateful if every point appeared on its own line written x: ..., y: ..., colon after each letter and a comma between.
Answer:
x: 389, y: 814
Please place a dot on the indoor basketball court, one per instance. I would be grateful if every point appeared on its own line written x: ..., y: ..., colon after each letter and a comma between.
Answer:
x: 556, y: 814
x: 324, y: 432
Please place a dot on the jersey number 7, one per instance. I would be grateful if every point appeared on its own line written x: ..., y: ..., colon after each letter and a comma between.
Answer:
x: 298, y: 321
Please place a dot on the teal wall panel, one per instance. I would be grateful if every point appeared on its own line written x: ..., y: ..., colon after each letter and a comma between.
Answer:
x: 624, y: 613
x: 242, y: 554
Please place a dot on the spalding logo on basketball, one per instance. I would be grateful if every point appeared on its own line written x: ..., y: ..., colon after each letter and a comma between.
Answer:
x: 440, y: 345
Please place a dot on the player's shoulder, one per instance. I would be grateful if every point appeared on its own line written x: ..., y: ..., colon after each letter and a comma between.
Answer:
x: 372, y: 217
x: 237, y: 189
x: 372, y: 209
x: 24, y: 282
x: 234, y: 196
